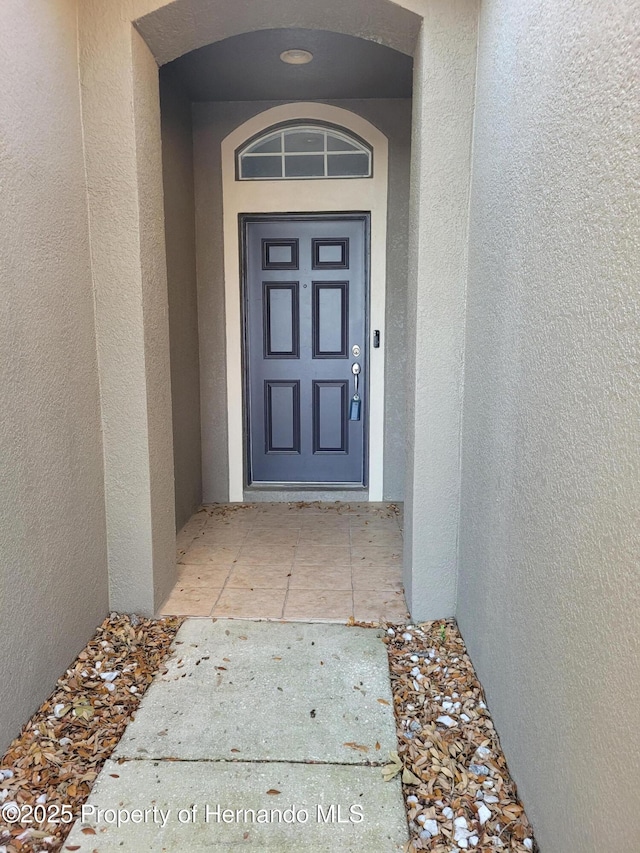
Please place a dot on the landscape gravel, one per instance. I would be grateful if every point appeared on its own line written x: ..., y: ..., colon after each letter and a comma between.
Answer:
x: 458, y: 791
x: 60, y: 751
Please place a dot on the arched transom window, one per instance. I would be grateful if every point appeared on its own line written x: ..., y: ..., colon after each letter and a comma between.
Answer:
x: 304, y: 151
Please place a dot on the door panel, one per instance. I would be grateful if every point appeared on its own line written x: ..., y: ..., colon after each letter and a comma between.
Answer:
x: 305, y: 296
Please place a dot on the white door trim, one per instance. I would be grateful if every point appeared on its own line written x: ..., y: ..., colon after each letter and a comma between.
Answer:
x: 316, y: 196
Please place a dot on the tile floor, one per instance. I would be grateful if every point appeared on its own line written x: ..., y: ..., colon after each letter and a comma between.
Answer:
x: 294, y: 561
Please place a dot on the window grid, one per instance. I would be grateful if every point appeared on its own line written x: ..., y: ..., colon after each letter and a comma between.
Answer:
x: 357, y: 149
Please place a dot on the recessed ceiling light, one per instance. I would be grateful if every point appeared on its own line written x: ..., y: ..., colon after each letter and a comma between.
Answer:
x: 296, y: 56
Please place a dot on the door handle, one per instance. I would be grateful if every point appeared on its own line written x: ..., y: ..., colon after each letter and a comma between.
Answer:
x: 354, y: 408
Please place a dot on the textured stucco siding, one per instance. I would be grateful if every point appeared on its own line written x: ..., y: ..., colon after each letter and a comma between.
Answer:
x: 179, y: 227
x: 549, y: 586
x: 214, y: 121
x: 53, y: 577
x: 444, y: 80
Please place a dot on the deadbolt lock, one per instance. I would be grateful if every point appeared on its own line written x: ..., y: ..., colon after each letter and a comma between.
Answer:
x: 355, y: 349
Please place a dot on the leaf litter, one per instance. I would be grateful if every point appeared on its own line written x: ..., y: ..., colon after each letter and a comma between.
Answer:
x: 458, y: 791
x: 60, y: 751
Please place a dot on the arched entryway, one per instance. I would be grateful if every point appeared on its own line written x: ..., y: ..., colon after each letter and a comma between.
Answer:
x: 122, y: 45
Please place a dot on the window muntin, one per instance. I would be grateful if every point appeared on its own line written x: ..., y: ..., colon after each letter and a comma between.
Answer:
x: 304, y: 152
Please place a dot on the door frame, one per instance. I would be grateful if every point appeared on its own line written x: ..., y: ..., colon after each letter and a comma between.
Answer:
x: 291, y: 197
x: 243, y: 220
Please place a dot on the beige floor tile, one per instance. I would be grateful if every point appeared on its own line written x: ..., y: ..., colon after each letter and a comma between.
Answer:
x: 391, y: 537
x: 376, y: 555
x: 322, y: 555
x: 304, y: 604
x: 259, y: 577
x: 379, y: 605
x: 336, y: 536
x: 202, y: 575
x: 320, y: 577
x: 377, y: 577
x: 250, y: 603
x: 223, y: 535
x: 219, y: 555
x: 280, y: 521
x: 192, y: 602
x: 323, y: 522
x: 273, y: 535
x: 266, y: 555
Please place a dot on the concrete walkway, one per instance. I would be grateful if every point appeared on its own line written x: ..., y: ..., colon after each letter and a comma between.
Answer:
x: 264, y: 736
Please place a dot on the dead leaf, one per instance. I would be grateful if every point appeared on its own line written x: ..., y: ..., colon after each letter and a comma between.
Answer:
x: 273, y: 791
x: 359, y: 746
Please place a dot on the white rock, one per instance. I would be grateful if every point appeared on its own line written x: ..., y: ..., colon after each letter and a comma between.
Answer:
x: 133, y: 689
x: 481, y: 705
x: 473, y: 840
x: 425, y: 835
x: 483, y: 814
x: 407, y: 637
x: 412, y: 799
x: 3, y: 795
x: 414, y: 658
x: 447, y: 721
x: 481, y: 753
x: 7, y: 774
x: 415, y: 671
x: 447, y: 706
x: 109, y: 676
x: 463, y: 844
x: 42, y: 799
x: 460, y: 822
x: 65, y: 741
x: 491, y: 798
x: 110, y: 687
x: 447, y: 812
x: 421, y: 818
x: 391, y: 632
x: 432, y: 827
x: 58, y: 709
x: 528, y: 843
x: 466, y: 718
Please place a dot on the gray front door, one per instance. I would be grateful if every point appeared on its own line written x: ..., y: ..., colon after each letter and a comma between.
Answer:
x: 305, y: 298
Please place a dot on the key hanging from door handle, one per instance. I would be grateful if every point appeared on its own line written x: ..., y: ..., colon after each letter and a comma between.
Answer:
x: 356, y: 402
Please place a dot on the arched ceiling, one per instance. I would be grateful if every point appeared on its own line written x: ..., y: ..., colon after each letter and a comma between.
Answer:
x: 185, y: 25
x: 247, y: 67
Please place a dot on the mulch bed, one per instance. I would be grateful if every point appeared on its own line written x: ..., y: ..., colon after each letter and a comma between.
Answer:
x: 56, y: 758
x: 458, y: 791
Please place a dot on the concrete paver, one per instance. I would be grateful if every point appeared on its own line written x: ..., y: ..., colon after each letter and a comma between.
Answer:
x: 252, y: 716
x: 252, y: 687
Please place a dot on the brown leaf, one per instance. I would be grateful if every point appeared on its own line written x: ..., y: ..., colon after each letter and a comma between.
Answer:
x: 359, y: 746
x: 383, y: 702
x: 273, y: 791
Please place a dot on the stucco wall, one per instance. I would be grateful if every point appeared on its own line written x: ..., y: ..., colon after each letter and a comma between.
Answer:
x: 549, y: 587
x: 180, y: 236
x: 53, y: 580
x: 211, y: 123
x: 443, y: 94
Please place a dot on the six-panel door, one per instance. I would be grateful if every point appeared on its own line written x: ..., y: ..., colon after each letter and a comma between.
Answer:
x: 305, y: 311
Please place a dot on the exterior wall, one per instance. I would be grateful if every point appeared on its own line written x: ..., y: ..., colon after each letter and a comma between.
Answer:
x: 121, y: 119
x: 212, y: 123
x: 444, y: 81
x: 549, y: 591
x: 180, y: 238
x: 53, y: 582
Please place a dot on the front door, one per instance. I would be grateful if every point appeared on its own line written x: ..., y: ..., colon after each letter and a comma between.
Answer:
x: 305, y: 304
